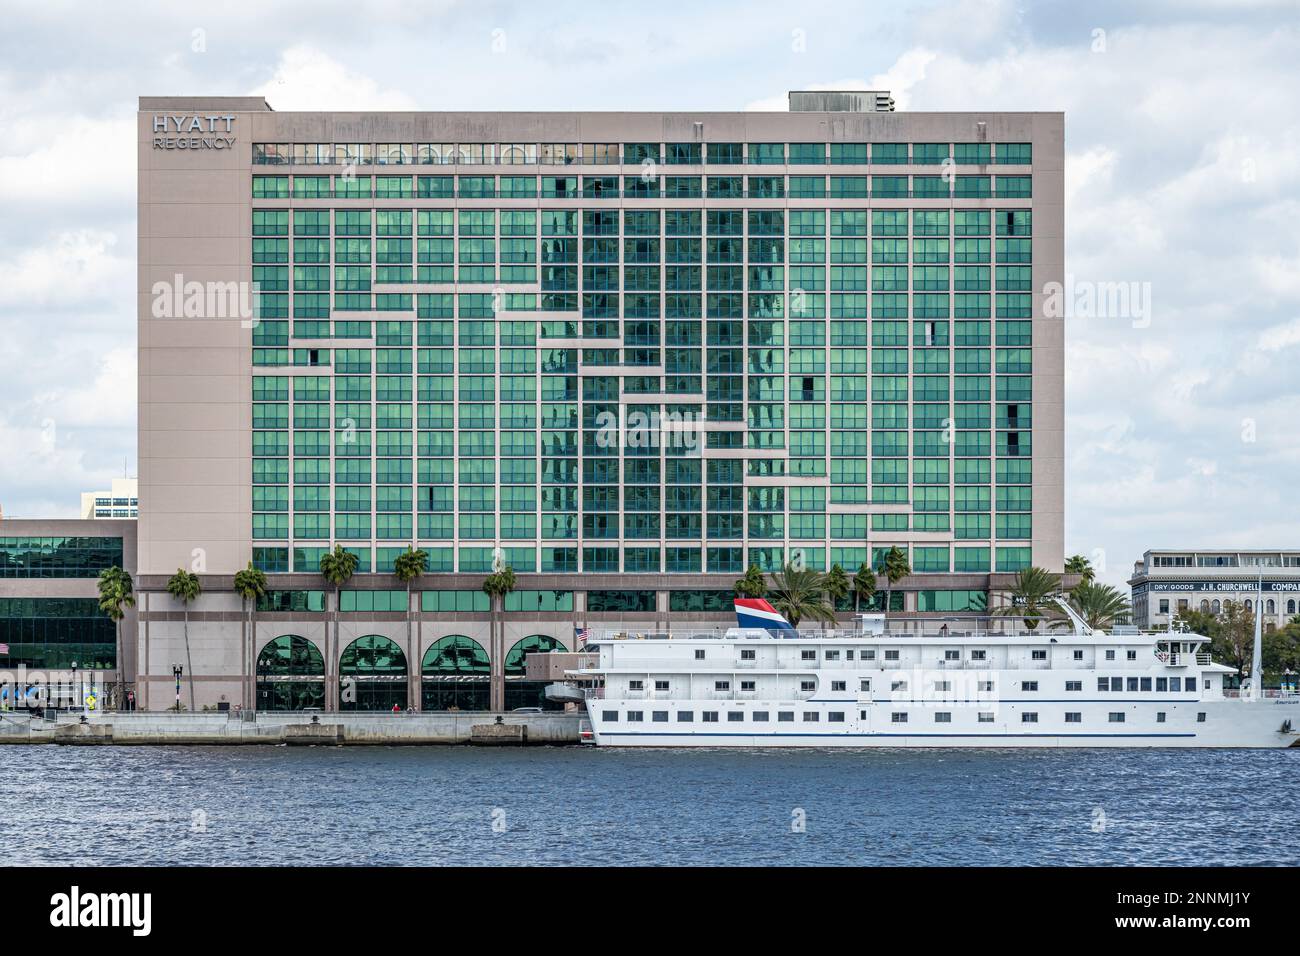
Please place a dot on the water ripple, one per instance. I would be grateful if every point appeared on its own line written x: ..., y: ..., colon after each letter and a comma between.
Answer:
x: 450, y: 806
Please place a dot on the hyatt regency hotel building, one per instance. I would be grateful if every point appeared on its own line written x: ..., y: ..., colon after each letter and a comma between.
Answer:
x: 628, y: 354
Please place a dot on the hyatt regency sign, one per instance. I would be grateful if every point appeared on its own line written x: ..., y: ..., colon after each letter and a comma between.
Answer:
x: 193, y: 132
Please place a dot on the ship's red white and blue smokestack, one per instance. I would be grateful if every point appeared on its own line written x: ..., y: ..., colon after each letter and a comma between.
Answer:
x: 757, y: 613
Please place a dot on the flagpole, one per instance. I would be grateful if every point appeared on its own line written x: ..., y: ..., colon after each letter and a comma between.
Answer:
x: 1257, y: 657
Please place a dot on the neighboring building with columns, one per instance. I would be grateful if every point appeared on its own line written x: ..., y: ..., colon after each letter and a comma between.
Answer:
x: 637, y: 352
x: 1167, y: 581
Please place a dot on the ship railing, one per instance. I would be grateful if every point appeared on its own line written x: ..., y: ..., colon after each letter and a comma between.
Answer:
x: 1203, y: 660
x: 900, y: 632
x: 1270, y: 693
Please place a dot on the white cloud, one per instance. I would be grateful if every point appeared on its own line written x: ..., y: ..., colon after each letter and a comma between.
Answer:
x: 1278, y: 337
x: 109, y: 400
x: 76, y: 270
x: 308, y: 79
x: 1092, y: 169
x: 68, y: 159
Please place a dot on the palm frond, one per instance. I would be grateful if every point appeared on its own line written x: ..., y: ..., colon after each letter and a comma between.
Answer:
x: 799, y: 594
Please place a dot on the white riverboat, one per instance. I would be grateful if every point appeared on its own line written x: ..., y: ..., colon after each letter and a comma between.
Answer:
x: 766, y: 684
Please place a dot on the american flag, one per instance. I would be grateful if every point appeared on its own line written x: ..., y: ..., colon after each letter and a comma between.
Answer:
x: 581, y: 634
x: 4, y: 648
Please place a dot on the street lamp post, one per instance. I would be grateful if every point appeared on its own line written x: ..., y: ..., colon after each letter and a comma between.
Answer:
x: 177, y: 670
x: 80, y: 696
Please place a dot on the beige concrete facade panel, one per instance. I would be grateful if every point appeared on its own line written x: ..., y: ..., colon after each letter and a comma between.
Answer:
x: 194, y: 333
x: 219, y: 471
x: 195, y: 220
x: 198, y: 391
x: 196, y: 498
x: 178, y: 415
x: 165, y: 553
x: 196, y: 252
x: 196, y: 350
x: 200, y: 441
x: 185, y: 187
x: 1048, y: 245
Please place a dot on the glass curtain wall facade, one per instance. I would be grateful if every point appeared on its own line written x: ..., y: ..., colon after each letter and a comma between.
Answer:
x: 450, y: 333
x: 58, y: 556
x: 50, y: 618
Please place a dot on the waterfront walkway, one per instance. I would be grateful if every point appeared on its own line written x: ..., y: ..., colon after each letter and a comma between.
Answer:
x: 270, y: 727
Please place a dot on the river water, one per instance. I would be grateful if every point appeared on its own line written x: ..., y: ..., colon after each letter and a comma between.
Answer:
x: 460, y: 805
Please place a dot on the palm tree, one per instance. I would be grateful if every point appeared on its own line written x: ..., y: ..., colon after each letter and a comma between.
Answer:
x: 496, y: 586
x: 184, y: 586
x: 1098, y: 604
x: 864, y: 585
x: 838, y: 587
x: 752, y: 585
x: 1078, y: 564
x: 1029, y: 594
x: 116, y: 594
x: 895, y: 567
x: 337, y: 568
x: 250, y: 584
x: 799, y: 593
x: 408, y: 566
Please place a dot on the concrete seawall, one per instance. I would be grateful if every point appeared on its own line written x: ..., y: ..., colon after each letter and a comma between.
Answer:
x: 295, y: 729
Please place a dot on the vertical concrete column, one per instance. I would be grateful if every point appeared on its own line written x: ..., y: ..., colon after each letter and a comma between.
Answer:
x: 331, y: 664
x: 247, y: 660
x: 142, y: 677
x: 413, y: 658
x: 496, y: 652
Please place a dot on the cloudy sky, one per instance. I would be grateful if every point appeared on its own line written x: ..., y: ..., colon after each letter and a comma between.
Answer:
x: 1182, y: 142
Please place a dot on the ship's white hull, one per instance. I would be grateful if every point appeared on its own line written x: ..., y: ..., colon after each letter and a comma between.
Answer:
x: 1226, y: 723
x: 968, y: 689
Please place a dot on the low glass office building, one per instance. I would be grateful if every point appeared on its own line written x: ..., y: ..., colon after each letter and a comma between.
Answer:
x: 54, y: 638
